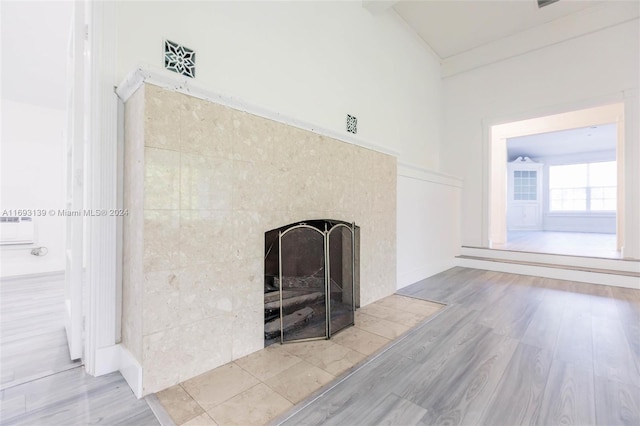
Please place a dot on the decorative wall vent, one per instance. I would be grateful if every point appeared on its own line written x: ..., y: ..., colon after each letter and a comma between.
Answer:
x: 352, y: 124
x: 180, y: 59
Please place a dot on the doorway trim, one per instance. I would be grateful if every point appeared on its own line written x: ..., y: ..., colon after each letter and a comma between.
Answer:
x: 101, y: 321
x: 603, y: 110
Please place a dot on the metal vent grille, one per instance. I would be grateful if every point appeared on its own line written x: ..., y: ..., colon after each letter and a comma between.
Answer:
x: 352, y: 124
x: 180, y: 59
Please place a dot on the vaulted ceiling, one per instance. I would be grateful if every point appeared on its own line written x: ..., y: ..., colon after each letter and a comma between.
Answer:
x: 464, y: 34
x: 453, y: 27
x: 467, y: 34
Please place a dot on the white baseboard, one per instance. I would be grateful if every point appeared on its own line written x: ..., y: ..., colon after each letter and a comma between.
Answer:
x: 118, y: 358
x: 131, y: 370
x: 418, y: 274
x: 107, y: 360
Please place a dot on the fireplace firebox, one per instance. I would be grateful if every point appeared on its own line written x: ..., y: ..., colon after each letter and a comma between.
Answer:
x: 311, y: 280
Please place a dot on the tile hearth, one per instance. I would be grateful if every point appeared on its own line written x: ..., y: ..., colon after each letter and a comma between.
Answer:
x: 262, y: 386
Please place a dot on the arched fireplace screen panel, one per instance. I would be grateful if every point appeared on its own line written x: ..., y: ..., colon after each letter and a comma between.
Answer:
x: 303, y: 313
x: 310, y: 280
x: 340, y: 277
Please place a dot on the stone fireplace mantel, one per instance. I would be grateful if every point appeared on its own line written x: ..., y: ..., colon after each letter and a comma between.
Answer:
x: 203, y: 182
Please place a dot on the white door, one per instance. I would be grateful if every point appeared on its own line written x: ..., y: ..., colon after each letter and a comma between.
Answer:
x: 75, y: 177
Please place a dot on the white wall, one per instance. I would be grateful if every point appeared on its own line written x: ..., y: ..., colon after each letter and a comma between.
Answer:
x: 33, y: 177
x: 565, y: 76
x: 428, y: 224
x: 316, y: 62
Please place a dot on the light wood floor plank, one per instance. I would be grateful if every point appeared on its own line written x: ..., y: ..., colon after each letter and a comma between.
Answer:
x: 612, y: 357
x: 544, y: 327
x: 518, y: 398
x: 33, y: 342
x: 616, y: 403
x: 345, y: 404
x: 628, y: 304
x: 575, y: 339
x: 443, y: 286
x: 436, y: 364
x: 568, y: 397
x: 75, y: 398
x: 393, y: 410
x: 461, y: 391
x: 507, y: 350
x: 40, y: 385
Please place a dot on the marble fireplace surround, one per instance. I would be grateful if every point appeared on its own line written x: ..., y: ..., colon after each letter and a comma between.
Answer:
x: 203, y: 182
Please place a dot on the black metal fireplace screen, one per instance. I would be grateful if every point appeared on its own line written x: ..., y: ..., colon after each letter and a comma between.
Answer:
x: 311, y: 274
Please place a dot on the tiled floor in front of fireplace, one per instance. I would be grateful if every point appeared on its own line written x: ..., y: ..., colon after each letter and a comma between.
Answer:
x: 257, y: 388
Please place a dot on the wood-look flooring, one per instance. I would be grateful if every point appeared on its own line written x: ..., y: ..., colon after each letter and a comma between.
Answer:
x: 33, y: 341
x: 40, y: 385
x: 73, y: 397
x: 508, y: 350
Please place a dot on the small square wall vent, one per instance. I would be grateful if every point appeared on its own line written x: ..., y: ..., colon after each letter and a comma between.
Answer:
x: 352, y: 124
x: 180, y: 59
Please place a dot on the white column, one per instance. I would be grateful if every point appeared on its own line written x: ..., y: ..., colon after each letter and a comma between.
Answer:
x: 102, y: 171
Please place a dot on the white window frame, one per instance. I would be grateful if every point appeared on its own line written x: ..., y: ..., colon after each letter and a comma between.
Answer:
x: 587, y: 189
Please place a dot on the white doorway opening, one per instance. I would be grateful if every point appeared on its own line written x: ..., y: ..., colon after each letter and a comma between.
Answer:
x: 541, y: 203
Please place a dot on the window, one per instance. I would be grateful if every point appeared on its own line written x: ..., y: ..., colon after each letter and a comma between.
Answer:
x: 583, y: 187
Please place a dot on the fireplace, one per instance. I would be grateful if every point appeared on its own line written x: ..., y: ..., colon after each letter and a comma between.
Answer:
x: 311, y: 280
x: 193, y: 292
